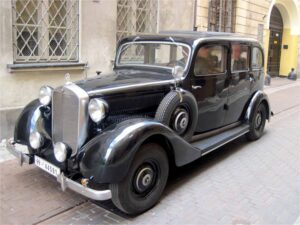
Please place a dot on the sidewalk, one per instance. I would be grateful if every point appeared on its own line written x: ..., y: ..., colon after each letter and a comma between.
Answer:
x: 241, y: 183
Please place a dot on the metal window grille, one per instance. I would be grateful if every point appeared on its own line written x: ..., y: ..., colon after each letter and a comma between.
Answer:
x: 221, y: 15
x: 45, y: 30
x: 136, y: 17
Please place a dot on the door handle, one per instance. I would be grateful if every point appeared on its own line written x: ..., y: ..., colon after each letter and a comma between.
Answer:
x: 195, y: 87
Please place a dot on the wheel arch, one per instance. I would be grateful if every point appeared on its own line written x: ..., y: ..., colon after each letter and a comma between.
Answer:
x: 165, y: 143
x: 266, y: 103
x: 256, y: 99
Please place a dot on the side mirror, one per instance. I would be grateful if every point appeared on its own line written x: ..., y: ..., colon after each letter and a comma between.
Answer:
x: 177, y: 72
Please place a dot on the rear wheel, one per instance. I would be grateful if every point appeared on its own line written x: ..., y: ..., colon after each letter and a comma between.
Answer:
x: 257, y: 123
x: 145, y: 182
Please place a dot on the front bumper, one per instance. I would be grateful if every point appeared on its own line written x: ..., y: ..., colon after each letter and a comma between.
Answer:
x: 65, y: 182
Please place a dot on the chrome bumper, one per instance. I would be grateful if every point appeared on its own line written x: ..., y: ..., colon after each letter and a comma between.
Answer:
x: 12, y: 147
x: 65, y: 182
x: 83, y: 190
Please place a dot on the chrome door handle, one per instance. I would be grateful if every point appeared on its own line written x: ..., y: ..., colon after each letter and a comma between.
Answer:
x: 196, y: 87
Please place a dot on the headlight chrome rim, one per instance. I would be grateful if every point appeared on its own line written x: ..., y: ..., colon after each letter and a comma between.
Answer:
x: 60, y: 151
x: 98, y: 109
x: 45, y: 95
x: 36, y: 140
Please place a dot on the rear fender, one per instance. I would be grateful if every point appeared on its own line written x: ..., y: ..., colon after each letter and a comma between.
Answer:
x: 108, y: 157
x: 258, y: 98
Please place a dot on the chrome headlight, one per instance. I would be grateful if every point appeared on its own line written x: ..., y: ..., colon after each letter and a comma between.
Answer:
x: 98, y: 109
x: 60, y: 151
x: 45, y: 95
x: 36, y: 140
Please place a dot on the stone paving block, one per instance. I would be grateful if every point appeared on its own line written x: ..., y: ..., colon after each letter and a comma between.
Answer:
x: 29, y: 195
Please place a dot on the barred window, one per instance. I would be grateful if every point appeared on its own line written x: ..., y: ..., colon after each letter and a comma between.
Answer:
x: 45, y: 30
x: 221, y: 15
x: 136, y: 17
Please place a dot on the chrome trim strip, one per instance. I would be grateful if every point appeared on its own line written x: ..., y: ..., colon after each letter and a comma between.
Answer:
x: 231, y: 139
x: 152, y: 42
x: 127, y: 87
x: 98, y: 195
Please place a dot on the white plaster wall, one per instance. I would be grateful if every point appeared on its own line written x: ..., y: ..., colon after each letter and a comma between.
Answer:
x: 176, y: 14
x: 97, y: 46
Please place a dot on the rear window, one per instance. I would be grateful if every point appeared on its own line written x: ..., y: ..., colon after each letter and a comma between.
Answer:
x: 257, y: 58
x: 239, y: 57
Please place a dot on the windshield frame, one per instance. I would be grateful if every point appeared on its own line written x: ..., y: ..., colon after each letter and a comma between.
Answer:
x: 148, y: 65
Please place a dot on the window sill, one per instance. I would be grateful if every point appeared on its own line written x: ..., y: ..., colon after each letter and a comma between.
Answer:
x: 24, y: 67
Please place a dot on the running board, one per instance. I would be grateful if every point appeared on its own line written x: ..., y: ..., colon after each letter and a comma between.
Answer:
x: 209, y: 144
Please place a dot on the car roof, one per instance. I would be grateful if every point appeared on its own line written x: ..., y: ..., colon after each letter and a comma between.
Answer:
x: 189, y: 37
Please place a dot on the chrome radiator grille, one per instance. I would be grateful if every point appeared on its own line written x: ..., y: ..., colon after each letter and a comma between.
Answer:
x: 70, y: 116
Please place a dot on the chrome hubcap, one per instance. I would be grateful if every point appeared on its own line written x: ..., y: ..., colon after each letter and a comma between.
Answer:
x: 144, y: 179
x: 181, y: 121
x: 258, y: 120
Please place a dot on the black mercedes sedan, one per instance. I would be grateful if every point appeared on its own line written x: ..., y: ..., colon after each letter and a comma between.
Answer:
x: 171, y: 98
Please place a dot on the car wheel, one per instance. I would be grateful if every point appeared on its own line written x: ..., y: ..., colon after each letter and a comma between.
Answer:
x: 145, y: 182
x: 179, y: 111
x: 257, y: 123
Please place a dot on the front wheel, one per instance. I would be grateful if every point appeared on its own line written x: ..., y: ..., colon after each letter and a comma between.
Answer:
x: 257, y: 123
x: 145, y: 182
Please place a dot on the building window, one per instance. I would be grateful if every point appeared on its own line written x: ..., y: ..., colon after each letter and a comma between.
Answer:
x: 45, y: 30
x: 221, y: 15
x: 136, y: 17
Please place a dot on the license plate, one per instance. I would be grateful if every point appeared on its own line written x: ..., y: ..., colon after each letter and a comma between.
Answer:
x: 48, y: 167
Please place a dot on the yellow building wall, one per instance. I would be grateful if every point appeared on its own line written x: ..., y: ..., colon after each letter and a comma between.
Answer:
x: 266, y: 48
x: 288, y: 58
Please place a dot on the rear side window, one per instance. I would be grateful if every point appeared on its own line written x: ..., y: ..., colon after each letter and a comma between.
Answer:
x: 257, y: 58
x: 210, y: 60
x: 239, y: 57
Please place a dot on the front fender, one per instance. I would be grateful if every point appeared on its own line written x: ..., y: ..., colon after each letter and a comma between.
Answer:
x: 108, y: 157
x: 31, y: 119
x: 256, y: 99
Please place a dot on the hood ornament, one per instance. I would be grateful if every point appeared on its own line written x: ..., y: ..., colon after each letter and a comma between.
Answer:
x: 68, y: 78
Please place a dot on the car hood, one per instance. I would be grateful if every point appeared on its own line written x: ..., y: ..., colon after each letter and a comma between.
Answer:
x: 120, y: 81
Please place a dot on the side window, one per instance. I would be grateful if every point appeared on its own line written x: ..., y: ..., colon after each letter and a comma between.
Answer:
x: 239, y: 57
x: 210, y: 60
x: 257, y: 58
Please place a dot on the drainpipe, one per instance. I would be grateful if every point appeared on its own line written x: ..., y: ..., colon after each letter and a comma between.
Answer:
x: 221, y: 16
x: 195, y: 16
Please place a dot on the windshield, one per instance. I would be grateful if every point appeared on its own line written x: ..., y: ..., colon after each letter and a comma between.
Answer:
x: 154, y: 54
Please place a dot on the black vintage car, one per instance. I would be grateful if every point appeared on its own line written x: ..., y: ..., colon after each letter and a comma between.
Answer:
x: 171, y: 98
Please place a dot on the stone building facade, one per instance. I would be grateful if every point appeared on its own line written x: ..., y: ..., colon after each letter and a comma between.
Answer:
x: 275, y: 23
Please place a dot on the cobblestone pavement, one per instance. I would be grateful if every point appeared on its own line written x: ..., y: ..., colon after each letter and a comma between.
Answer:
x: 241, y: 183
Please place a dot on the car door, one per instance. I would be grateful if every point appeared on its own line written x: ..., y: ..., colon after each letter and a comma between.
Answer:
x: 209, y: 85
x: 239, y: 81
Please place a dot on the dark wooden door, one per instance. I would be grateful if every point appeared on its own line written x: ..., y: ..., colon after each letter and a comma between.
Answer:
x: 275, y: 42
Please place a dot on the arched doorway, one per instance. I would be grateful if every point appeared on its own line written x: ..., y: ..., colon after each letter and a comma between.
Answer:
x: 282, y: 35
x: 275, y: 42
